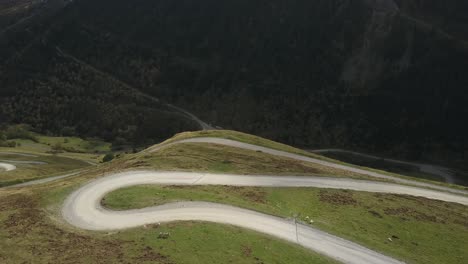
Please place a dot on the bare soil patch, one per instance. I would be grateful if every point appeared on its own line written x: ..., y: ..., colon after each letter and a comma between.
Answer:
x: 337, y: 197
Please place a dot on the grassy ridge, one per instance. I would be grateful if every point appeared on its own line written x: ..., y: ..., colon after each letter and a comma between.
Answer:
x: 226, y: 159
x: 243, y: 137
x: 251, y: 139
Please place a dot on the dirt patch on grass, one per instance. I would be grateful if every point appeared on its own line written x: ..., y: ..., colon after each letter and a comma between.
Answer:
x: 337, y: 197
x: 42, y: 241
x: 246, y: 251
x: 415, y: 199
x: 252, y: 194
x: 50, y: 241
x: 293, y: 165
x: 149, y: 255
x: 406, y: 212
x: 461, y: 222
x: 423, y: 209
x: 139, y: 164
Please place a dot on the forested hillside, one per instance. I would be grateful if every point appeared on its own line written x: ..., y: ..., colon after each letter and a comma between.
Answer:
x: 60, y: 95
x: 385, y: 76
x: 450, y: 16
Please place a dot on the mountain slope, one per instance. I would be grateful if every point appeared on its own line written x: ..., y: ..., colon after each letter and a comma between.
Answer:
x: 58, y: 94
x: 386, y: 76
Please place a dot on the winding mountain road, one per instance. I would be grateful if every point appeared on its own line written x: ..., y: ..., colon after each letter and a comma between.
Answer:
x: 83, y: 207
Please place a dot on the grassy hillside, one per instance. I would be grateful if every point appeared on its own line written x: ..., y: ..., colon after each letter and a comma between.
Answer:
x: 413, y: 229
x: 38, y: 156
x: 13, y: 11
x: 420, y: 230
x: 49, y: 165
x: 60, y: 95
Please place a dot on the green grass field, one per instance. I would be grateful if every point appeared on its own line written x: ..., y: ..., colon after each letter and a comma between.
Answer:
x: 226, y: 159
x: 32, y: 231
x: 65, y: 144
x: 420, y: 230
x: 74, y: 144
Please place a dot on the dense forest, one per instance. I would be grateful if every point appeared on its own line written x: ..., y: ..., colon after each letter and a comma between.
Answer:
x: 379, y: 75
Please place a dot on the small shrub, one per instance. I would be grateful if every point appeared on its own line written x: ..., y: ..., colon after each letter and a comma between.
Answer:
x: 8, y: 144
x: 57, y: 148
x: 108, y: 157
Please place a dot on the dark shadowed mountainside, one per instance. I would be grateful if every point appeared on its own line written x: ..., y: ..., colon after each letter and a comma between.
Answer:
x: 380, y: 75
